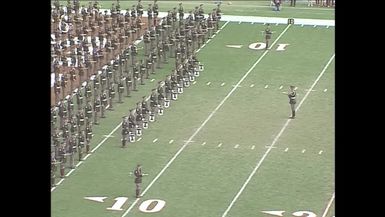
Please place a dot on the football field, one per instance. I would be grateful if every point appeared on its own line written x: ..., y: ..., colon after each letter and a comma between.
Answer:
x: 226, y: 146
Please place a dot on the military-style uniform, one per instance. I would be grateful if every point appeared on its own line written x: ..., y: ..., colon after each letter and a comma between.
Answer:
x: 79, y: 99
x: 97, y: 109
x: 128, y: 83
x: 267, y: 36
x: 120, y: 90
x: 81, y: 143
x: 292, y: 100
x: 181, y: 12
x: 104, y: 104
x: 80, y: 119
x: 136, y: 76
x: 96, y: 82
x: 138, y: 179
x: 70, y: 105
x: 88, y: 91
x: 103, y: 78
x: 143, y: 69
x: 111, y: 94
x: 88, y: 137
x: 88, y: 111
x: 53, y: 118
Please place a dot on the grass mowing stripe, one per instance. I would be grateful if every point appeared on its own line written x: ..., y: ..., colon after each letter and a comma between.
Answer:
x: 274, y: 141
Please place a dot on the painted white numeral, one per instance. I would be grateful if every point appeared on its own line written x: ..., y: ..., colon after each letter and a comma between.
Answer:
x: 118, y: 204
x: 281, y: 47
x: 297, y: 214
x: 262, y: 45
x: 304, y: 214
x: 151, y: 206
x: 257, y: 46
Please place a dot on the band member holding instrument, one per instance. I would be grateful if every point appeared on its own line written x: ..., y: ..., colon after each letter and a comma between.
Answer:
x: 292, y: 101
x: 138, y: 179
x: 267, y: 36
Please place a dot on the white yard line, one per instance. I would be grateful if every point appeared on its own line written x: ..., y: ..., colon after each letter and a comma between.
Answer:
x: 275, y: 140
x: 85, y: 158
x: 69, y: 173
x: 204, y: 122
x: 328, y: 206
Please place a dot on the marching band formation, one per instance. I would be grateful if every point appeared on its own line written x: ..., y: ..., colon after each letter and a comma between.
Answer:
x: 96, y: 52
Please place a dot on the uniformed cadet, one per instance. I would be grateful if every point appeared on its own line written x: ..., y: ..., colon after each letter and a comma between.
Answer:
x: 149, y: 15
x: 153, y: 101
x: 62, y: 112
x: 148, y: 65
x: 53, y: 117
x: 125, y: 131
x: 57, y: 91
x: 159, y: 54
x: 134, y: 53
x: 63, y: 84
x: 139, y: 116
x: 72, y: 76
x: 96, y: 82
x: 181, y: 12
x: 128, y: 83
x: 53, y: 176
x: 88, y: 137
x: 131, y: 123
x: 161, y: 97
x: 155, y: 9
x: 110, y: 72
x: 138, y: 179
x: 80, y: 119
x: 292, y: 101
x: 142, y: 71
x: 103, y: 78
x: 267, y: 36
x: 88, y: 91
x: 70, y: 105
x: 88, y: 112
x: 111, y: 94
x: 144, y: 109
x: 154, y: 58
x: 104, y: 100
x: 62, y: 160
x: 81, y: 143
x: 73, y: 125
x: 139, y: 8
x: 72, y: 145
x: 97, y: 105
x: 120, y: 89
x: 146, y: 40
x: 135, y: 76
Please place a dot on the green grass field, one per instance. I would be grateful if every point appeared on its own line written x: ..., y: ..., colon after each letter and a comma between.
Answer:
x: 210, y: 154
